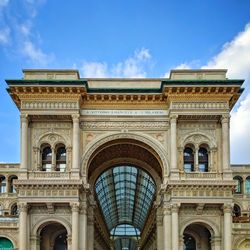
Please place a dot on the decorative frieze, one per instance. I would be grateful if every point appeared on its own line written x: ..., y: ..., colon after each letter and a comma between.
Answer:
x: 199, y: 105
x: 49, y: 105
x: 107, y: 125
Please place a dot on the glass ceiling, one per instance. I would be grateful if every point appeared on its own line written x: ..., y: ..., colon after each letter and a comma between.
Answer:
x: 125, y: 194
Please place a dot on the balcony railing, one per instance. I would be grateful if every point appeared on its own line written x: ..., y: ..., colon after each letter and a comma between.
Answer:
x: 200, y: 175
x: 241, y: 219
x: 49, y: 175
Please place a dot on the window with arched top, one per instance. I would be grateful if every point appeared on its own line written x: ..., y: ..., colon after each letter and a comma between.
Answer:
x: 11, y: 185
x: 247, y: 186
x: 236, y: 211
x: 61, y: 159
x: 2, y: 184
x: 1, y: 210
x: 46, y: 156
x: 14, y: 210
x: 238, y: 188
x: 188, y: 159
x: 203, y: 159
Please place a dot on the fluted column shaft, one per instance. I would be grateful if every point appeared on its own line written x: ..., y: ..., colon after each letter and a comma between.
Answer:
x: 76, y: 141
x: 75, y: 226
x: 173, y: 131
x: 225, y: 142
x: 24, y: 141
x: 23, y: 209
x: 227, y: 226
x: 167, y: 228
x: 175, y: 227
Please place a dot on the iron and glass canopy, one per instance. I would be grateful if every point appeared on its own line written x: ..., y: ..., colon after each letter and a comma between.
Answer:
x: 125, y: 194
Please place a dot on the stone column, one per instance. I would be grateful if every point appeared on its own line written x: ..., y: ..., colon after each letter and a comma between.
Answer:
x: 75, y: 225
x: 173, y: 148
x: 167, y: 227
x: 24, y: 143
x: 159, y: 228
x: 196, y: 159
x: 227, y: 209
x: 91, y: 229
x: 53, y: 159
x: 83, y: 227
x: 175, y: 227
x: 23, y: 234
x: 225, y: 142
x: 76, y: 144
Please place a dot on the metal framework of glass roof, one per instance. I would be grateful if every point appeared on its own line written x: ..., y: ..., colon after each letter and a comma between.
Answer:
x: 125, y: 195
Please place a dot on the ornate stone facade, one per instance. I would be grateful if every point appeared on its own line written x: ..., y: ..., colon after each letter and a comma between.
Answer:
x: 176, y: 129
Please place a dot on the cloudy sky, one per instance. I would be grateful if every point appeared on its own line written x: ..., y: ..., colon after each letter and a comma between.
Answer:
x: 116, y: 38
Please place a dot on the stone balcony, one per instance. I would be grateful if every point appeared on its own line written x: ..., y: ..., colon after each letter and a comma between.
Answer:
x: 9, y: 222
x: 40, y: 175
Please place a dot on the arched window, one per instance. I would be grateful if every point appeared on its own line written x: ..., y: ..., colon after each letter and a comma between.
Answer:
x: 2, y: 184
x: 1, y: 210
x: 188, y: 159
x: 14, y: 210
x: 61, y: 159
x: 203, y: 159
x: 238, y: 189
x: 11, y: 185
x: 46, y: 158
x: 248, y: 185
x: 236, y: 211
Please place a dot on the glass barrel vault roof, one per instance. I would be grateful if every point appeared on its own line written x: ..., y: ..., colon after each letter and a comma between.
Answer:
x: 125, y: 195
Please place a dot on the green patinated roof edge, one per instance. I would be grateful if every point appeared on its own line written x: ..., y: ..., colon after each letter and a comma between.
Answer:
x: 164, y: 83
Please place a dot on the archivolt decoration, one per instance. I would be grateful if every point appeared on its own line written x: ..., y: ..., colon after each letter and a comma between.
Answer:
x: 150, y: 141
x: 212, y: 228
x: 198, y: 138
x: 36, y: 229
x: 52, y: 139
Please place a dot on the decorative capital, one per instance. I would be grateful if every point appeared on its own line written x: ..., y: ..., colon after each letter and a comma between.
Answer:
x: 166, y: 209
x: 75, y: 207
x: 75, y: 118
x: 24, y: 118
x: 225, y: 118
x: 83, y: 208
x: 227, y: 208
x: 175, y: 208
x: 173, y: 118
x: 23, y: 207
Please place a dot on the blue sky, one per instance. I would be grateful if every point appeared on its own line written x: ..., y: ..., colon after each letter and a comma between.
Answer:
x: 115, y: 38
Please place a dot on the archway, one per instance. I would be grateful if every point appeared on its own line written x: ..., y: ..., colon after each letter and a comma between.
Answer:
x: 244, y: 245
x: 53, y: 236
x: 6, y: 244
x: 197, y: 236
x: 125, y: 175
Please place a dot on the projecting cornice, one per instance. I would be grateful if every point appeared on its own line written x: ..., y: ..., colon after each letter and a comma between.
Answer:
x: 183, y: 85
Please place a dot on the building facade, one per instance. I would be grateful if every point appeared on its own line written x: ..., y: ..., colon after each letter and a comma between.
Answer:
x: 125, y: 164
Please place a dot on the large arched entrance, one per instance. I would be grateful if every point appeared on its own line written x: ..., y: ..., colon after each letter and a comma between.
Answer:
x: 196, y: 236
x: 125, y: 175
x: 53, y: 236
x: 6, y: 244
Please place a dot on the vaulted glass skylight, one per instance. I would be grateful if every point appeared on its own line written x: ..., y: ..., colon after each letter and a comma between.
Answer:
x: 125, y: 195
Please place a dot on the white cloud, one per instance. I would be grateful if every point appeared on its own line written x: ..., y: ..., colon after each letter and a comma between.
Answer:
x: 5, y: 36
x: 25, y: 40
x: 94, y: 69
x: 235, y: 56
x: 133, y: 66
x: 240, y: 132
x: 36, y: 54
